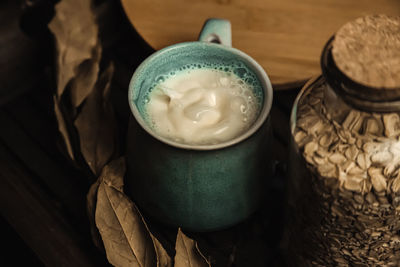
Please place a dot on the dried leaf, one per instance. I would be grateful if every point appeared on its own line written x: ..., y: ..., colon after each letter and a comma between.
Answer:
x: 75, y: 33
x: 113, y: 174
x: 163, y: 259
x: 91, y: 199
x: 86, y: 77
x: 125, y: 237
x: 188, y: 253
x: 96, y: 125
x: 62, y: 128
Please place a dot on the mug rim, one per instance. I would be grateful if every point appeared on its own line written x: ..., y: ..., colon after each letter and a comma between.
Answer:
x: 264, y: 112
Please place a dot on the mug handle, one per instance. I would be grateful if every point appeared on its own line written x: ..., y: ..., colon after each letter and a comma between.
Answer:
x: 217, y: 31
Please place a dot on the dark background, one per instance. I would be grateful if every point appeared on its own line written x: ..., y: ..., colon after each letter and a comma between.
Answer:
x: 41, y: 191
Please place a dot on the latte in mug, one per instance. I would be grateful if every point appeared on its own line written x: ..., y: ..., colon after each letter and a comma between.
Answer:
x: 204, y: 105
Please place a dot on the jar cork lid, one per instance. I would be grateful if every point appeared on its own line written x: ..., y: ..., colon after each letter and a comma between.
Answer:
x: 362, y: 60
x: 368, y: 51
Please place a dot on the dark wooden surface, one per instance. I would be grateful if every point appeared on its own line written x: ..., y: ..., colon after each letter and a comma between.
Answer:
x: 43, y: 195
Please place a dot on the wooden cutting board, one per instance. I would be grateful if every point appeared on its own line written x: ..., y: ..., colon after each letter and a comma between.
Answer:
x: 286, y: 37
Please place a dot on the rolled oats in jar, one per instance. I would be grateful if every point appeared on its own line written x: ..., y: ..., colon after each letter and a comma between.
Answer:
x: 344, y: 178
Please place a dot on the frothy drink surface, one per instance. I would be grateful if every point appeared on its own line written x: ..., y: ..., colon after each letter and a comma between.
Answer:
x: 203, y: 106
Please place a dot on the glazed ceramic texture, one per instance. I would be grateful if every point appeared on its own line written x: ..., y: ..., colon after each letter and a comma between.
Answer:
x: 197, y: 187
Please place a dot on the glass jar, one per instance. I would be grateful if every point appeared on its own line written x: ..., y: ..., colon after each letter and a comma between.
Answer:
x: 344, y: 178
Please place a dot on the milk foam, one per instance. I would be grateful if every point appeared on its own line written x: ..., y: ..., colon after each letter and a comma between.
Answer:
x: 203, y: 105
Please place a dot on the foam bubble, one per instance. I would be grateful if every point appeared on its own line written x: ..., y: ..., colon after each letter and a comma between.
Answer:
x: 235, y: 76
x: 160, y: 79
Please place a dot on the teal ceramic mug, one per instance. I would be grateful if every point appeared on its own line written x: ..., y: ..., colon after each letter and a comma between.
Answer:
x: 197, y: 187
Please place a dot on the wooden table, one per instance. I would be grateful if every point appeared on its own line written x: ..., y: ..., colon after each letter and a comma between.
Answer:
x: 286, y: 37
